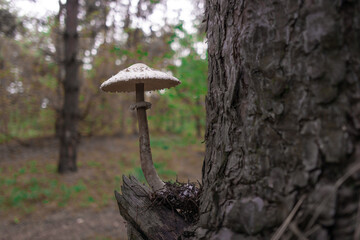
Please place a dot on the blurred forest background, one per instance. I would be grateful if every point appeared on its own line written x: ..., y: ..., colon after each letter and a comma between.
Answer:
x: 113, y: 34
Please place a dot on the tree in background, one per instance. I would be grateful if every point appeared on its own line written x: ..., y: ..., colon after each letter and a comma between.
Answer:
x: 69, y: 135
x: 25, y: 77
x: 282, y: 136
x: 110, y: 38
x: 8, y: 26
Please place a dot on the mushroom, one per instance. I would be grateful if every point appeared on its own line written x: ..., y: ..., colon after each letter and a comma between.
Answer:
x: 140, y: 78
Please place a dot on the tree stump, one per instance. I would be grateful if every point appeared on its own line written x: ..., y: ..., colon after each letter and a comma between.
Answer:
x: 146, y: 220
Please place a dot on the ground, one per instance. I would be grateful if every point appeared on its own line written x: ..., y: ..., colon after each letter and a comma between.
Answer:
x: 37, y: 203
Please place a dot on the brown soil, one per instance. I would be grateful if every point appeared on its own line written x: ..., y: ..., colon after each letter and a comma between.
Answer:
x: 86, y: 224
x: 93, y: 221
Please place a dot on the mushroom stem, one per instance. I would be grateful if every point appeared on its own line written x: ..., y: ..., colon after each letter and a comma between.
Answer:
x: 147, y: 165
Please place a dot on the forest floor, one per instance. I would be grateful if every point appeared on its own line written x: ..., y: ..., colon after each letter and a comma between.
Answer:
x: 38, y: 203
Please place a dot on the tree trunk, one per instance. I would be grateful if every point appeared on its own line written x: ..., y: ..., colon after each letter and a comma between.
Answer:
x: 197, y: 119
x: 283, y: 120
x: 59, y: 52
x: 70, y: 113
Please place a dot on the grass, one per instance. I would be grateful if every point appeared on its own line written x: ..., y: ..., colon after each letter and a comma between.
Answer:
x: 32, y: 186
x: 165, y: 173
x: 23, y: 126
x: 24, y: 192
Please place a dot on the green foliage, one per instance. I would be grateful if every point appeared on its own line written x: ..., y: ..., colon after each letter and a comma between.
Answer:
x: 94, y: 164
x: 16, y: 220
x: 48, y: 81
x: 163, y: 171
x: 160, y: 169
x: 31, y: 60
x: 159, y: 143
x: 180, y: 110
x: 137, y: 172
x: 166, y: 142
x: 51, y: 168
x: 33, y: 167
x: 79, y: 187
x: 33, y: 192
x: 36, y: 190
x: 9, y: 181
x: 185, y: 112
x: 31, y: 185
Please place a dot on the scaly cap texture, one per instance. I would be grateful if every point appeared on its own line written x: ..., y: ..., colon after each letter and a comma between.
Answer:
x: 125, y: 80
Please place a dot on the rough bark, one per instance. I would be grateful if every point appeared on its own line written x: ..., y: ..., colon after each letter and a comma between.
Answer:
x: 283, y: 120
x: 59, y: 53
x: 70, y: 112
x: 144, y: 219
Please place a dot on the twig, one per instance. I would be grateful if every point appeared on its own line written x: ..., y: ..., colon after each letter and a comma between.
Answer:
x: 352, y: 169
x: 312, y: 230
x: 294, y: 228
x: 287, y: 221
x: 357, y: 224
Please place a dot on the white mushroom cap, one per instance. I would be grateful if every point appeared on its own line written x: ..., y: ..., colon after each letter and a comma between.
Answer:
x: 126, y: 79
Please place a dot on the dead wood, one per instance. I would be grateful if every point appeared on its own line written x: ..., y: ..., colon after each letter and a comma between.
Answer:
x: 146, y: 220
